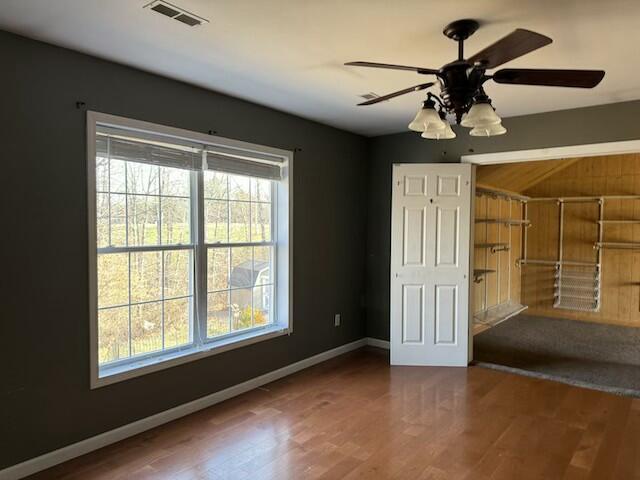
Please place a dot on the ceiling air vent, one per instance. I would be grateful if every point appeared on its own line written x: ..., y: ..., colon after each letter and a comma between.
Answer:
x: 369, y: 96
x: 176, y: 13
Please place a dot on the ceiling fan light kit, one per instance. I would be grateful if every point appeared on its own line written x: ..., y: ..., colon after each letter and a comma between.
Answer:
x: 462, y: 82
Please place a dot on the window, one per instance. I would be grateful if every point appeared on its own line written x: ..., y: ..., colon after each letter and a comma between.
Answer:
x: 238, y: 217
x: 189, y: 245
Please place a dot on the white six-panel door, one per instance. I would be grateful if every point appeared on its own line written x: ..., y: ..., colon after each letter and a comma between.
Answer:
x: 430, y: 259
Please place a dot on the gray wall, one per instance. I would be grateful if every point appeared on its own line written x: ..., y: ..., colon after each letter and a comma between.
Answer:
x: 605, y: 123
x: 45, y: 401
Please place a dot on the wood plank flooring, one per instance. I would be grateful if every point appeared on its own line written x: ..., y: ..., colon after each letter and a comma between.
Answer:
x: 354, y: 417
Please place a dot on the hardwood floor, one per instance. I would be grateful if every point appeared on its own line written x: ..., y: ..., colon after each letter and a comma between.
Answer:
x: 354, y: 417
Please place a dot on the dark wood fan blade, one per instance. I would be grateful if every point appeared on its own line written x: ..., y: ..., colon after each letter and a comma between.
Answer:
x: 415, y: 88
x: 517, y: 43
x: 392, y: 67
x: 549, y: 78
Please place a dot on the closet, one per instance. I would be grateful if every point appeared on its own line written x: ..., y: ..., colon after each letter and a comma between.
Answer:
x: 558, y: 238
x: 557, y: 270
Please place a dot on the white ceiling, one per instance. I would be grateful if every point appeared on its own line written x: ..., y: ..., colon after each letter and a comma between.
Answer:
x: 289, y: 54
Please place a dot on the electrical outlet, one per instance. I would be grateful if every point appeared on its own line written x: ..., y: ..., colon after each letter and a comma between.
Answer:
x: 336, y: 320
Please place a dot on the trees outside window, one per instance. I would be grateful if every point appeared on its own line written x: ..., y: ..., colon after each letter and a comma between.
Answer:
x: 147, y: 233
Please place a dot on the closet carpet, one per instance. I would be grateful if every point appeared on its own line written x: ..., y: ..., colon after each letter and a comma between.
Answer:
x: 602, y: 357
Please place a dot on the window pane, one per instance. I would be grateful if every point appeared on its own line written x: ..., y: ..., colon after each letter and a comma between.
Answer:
x: 118, y: 220
x: 239, y: 188
x: 260, y: 222
x: 217, y: 221
x: 113, y: 279
x: 176, y: 322
x: 262, y: 265
x: 217, y: 313
x: 102, y: 219
x: 175, y: 221
x: 113, y: 334
x: 175, y: 182
x: 241, y: 309
x: 177, y: 273
x: 262, y: 305
x: 102, y: 174
x: 240, y: 219
x: 146, y: 300
x: 146, y: 328
x: 218, y: 269
x: 215, y: 185
x: 143, y: 220
x: 117, y: 169
x: 145, y: 276
x: 142, y: 178
x: 241, y: 271
x: 260, y: 190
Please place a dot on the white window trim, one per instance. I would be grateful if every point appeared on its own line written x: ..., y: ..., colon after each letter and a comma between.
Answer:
x: 283, y: 212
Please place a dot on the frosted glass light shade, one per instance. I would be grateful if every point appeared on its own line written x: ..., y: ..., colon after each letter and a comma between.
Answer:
x: 444, y: 134
x: 480, y: 115
x: 488, y: 131
x: 426, y: 119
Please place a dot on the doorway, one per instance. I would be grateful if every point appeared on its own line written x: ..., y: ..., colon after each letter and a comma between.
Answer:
x: 556, y: 289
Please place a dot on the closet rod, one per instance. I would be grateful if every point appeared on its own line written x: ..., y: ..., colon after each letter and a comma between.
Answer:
x: 619, y: 245
x: 528, y: 261
x: 585, y: 199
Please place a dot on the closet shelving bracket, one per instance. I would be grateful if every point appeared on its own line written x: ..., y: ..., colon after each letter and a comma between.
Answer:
x: 479, y: 273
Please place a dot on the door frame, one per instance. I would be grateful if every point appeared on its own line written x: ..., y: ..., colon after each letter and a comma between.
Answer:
x: 554, y: 153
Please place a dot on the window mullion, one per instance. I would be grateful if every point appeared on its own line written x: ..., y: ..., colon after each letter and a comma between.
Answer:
x: 126, y: 204
x: 198, y: 237
x: 160, y: 219
x: 229, y: 258
x: 273, y: 255
x: 129, y: 301
x: 162, y: 283
x: 253, y: 260
x: 110, y: 241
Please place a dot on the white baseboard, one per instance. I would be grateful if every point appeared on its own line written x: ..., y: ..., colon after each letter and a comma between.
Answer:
x: 376, y: 342
x: 55, y: 457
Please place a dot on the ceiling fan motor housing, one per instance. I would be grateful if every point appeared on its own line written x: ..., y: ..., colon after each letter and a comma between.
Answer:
x: 460, y: 82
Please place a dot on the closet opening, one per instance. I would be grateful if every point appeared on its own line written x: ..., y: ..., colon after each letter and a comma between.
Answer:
x: 556, y: 290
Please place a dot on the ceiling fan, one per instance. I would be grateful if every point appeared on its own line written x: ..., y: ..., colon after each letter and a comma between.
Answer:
x: 461, y: 82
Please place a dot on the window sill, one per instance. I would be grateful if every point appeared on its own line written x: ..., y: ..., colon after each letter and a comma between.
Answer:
x: 114, y: 374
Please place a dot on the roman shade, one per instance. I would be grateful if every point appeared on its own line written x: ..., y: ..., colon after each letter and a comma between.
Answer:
x: 122, y: 148
x: 243, y: 162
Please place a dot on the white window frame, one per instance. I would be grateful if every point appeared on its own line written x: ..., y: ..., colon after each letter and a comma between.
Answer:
x: 282, y: 216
